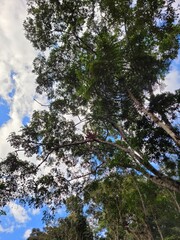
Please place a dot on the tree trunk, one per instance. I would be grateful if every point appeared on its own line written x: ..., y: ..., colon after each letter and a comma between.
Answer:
x: 148, y: 230
x: 166, y: 183
x: 146, y: 168
x: 158, y: 228
x: 173, y: 195
x: 155, y: 119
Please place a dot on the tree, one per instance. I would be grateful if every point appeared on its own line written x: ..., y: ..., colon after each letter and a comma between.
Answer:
x: 73, y: 227
x: 36, y: 234
x: 127, y: 207
x: 105, y: 60
x: 130, y: 207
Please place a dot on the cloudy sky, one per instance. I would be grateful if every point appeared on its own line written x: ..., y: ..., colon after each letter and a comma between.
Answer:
x: 17, y: 91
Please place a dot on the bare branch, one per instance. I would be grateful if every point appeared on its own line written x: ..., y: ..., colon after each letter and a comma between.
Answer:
x: 43, y: 105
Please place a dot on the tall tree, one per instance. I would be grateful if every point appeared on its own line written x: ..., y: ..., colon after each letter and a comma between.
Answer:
x: 104, y: 60
x: 130, y: 207
x: 73, y: 227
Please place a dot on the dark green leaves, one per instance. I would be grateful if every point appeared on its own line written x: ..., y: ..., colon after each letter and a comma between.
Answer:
x: 104, y: 60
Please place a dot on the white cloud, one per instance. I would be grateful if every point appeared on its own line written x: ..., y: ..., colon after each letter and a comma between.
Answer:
x: 172, y: 81
x: 27, y: 233
x: 18, y: 212
x: 7, y: 230
x: 16, y: 51
x: 35, y: 211
x: 17, y: 55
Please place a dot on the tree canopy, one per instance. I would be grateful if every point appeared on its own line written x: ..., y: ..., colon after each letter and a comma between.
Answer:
x: 129, y: 207
x: 99, y: 63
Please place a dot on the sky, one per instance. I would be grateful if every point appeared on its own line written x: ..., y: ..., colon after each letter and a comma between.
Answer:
x: 17, y: 93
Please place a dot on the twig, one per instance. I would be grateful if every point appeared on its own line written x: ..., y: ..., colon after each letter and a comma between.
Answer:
x: 43, y: 105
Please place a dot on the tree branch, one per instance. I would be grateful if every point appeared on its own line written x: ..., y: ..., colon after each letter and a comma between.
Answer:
x: 154, y: 118
x: 43, y: 105
x: 146, y: 168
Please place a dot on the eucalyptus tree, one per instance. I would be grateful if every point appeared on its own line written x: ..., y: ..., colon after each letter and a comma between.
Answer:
x: 130, y: 207
x: 99, y: 61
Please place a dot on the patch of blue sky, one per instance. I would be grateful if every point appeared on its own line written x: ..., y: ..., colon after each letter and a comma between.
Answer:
x: 4, y: 111
x: 113, y: 139
x: 12, y: 92
x: 102, y: 233
x: 175, y: 63
x: 25, y: 120
x: 12, y: 230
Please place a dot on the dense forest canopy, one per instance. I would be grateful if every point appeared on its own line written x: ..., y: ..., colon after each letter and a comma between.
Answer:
x: 100, y: 62
x: 120, y: 207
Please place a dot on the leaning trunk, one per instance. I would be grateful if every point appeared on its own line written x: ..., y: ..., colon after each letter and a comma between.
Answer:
x: 155, y: 119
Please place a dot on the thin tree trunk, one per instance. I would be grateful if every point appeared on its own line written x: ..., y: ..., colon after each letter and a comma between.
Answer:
x: 158, y: 228
x: 165, y: 182
x: 145, y: 167
x: 149, y: 234
x: 136, y: 237
x: 173, y: 195
x: 157, y: 177
x: 154, y: 118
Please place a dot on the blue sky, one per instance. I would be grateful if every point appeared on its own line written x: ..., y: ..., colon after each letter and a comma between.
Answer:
x: 18, y: 222
x: 17, y: 91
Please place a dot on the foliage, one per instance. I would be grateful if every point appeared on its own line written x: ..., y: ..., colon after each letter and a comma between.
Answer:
x: 103, y: 62
x: 75, y: 226
x: 130, y: 207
